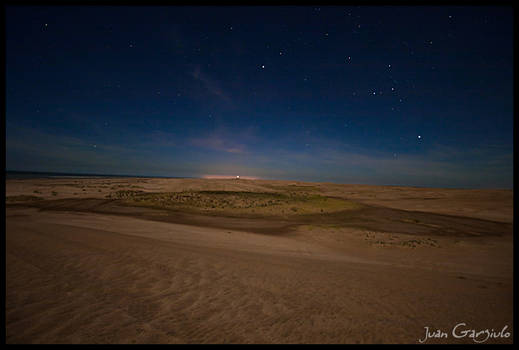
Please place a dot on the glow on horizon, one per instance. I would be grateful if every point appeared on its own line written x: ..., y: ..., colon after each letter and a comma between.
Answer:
x: 241, y: 177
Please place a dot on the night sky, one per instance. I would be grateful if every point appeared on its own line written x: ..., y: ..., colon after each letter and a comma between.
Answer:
x: 417, y: 96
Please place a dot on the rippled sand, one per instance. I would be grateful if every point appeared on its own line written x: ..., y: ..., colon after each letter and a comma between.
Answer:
x: 90, y: 271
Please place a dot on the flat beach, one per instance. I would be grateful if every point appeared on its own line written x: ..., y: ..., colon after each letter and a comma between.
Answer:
x: 147, y: 260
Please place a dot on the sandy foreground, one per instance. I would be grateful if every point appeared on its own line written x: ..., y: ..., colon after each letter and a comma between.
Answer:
x: 82, y: 267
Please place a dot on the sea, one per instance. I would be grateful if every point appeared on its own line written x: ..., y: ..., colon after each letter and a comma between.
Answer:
x: 20, y: 175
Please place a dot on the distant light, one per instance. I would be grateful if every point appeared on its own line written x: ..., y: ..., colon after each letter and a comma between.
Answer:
x: 237, y: 176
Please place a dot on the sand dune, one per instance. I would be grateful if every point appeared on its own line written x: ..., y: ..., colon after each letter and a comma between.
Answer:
x: 78, y: 276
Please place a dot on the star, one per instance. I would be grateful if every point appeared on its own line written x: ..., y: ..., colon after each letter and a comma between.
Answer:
x: 374, y: 93
x: 262, y: 66
x: 419, y: 137
x: 280, y: 53
x: 46, y: 25
x: 389, y: 66
x: 325, y: 34
x: 392, y: 89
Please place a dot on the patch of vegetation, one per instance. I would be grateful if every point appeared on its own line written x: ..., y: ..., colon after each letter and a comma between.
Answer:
x: 54, y: 193
x: 124, y: 194
x: 234, y: 203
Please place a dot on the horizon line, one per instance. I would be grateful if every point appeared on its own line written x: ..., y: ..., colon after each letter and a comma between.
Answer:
x: 240, y: 177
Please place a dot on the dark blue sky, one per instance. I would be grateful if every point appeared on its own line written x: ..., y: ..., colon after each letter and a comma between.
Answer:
x: 401, y: 95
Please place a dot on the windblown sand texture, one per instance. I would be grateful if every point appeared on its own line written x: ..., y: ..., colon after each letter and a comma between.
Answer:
x: 141, y: 260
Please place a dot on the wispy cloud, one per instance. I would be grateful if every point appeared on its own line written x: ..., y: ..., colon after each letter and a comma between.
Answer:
x: 441, y: 166
x: 210, y: 84
x: 226, y: 140
x: 218, y: 143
